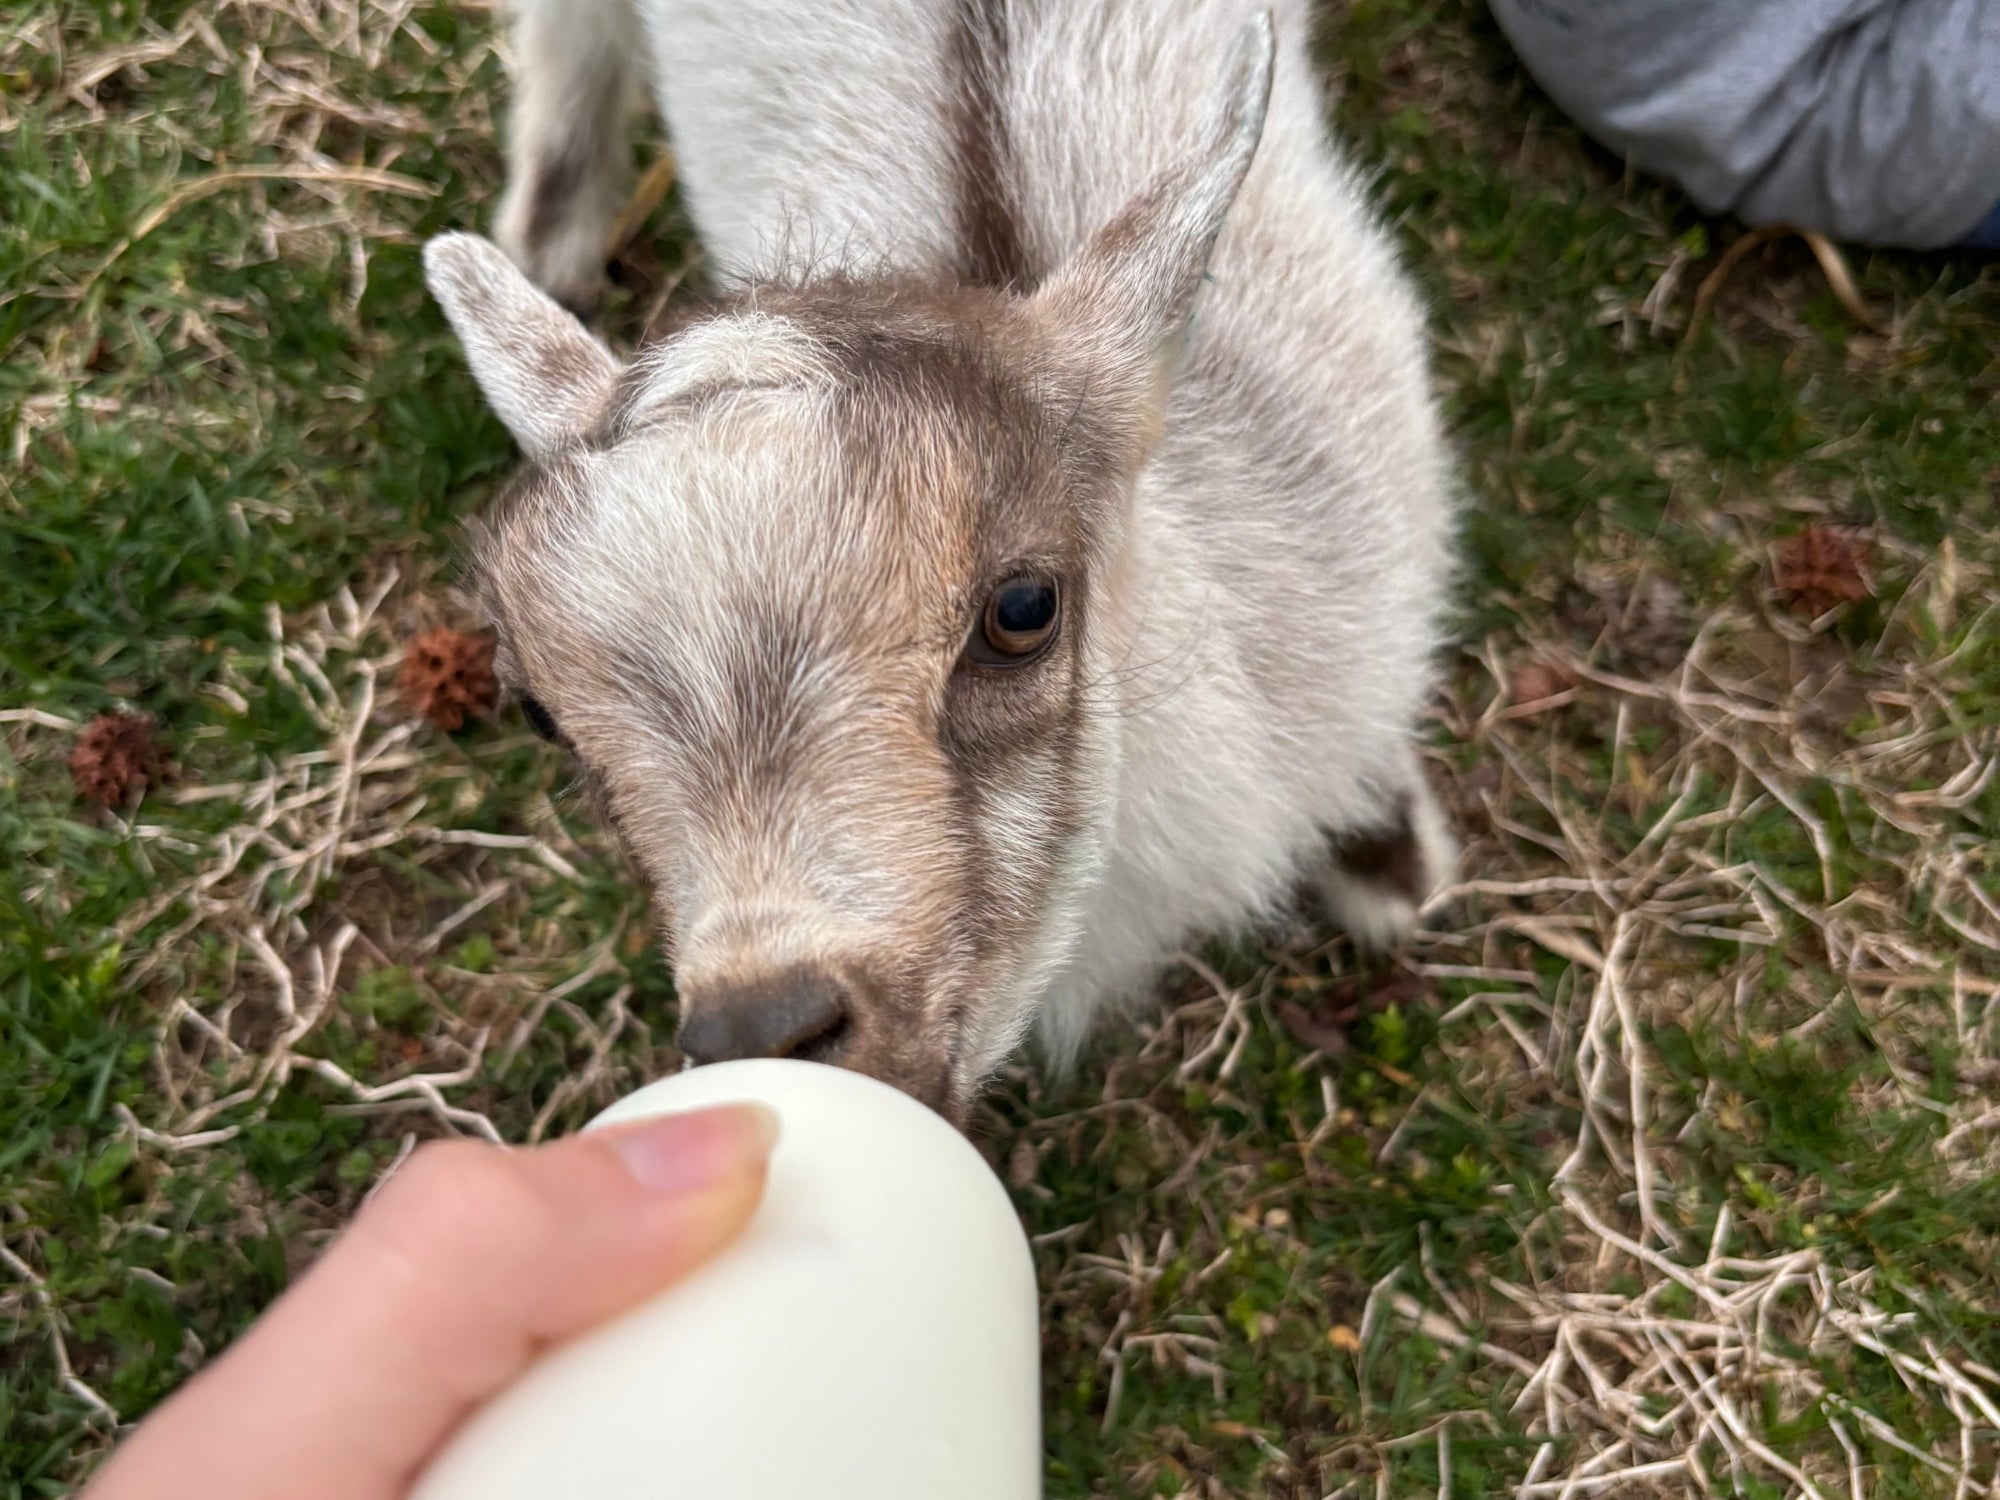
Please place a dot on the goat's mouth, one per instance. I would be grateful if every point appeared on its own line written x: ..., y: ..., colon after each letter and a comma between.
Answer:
x: 860, y: 1043
x: 930, y: 1084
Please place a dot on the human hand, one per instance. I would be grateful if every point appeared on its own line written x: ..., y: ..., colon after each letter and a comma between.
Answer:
x: 469, y: 1262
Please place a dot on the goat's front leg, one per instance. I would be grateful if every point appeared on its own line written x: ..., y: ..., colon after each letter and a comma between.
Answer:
x: 1378, y: 874
x: 568, y: 155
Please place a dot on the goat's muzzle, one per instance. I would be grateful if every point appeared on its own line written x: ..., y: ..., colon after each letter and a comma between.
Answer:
x: 818, y: 1014
x: 800, y: 1012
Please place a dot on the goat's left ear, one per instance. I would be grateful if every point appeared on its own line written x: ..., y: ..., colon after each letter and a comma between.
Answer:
x: 544, y: 374
x: 1127, y: 294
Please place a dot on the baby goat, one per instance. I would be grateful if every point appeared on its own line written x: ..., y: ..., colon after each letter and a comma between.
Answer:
x: 1036, y: 560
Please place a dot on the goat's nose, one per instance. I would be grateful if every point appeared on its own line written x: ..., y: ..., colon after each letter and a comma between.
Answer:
x: 800, y: 1013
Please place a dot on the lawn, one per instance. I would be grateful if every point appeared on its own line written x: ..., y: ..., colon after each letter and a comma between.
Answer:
x: 1667, y: 1162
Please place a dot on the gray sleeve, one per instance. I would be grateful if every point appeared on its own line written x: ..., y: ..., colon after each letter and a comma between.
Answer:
x: 1871, y: 120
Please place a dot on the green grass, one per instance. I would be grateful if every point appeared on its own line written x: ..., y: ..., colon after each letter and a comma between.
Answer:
x: 221, y: 423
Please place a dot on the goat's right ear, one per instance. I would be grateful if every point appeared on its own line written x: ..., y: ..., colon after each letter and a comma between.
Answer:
x: 1127, y: 294
x: 544, y: 374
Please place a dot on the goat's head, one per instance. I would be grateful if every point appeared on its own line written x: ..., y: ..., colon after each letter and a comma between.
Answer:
x: 824, y: 591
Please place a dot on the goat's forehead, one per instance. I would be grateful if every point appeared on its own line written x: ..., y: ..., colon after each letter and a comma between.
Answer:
x: 865, y: 497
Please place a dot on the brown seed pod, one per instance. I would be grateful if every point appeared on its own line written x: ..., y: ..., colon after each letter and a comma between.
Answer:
x: 1535, y: 682
x: 448, y: 677
x: 115, y: 759
x: 1821, y: 567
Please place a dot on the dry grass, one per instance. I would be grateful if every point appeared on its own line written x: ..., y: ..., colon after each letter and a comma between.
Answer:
x: 1651, y: 1393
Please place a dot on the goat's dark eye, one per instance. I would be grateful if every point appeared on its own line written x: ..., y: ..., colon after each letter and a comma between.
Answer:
x: 1018, y: 622
x: 538, y: 719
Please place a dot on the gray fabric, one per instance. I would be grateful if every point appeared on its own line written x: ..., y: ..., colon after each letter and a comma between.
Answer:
x: 1870, y: 120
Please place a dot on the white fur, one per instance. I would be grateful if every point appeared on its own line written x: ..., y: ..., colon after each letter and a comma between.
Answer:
x: 1268, y: 641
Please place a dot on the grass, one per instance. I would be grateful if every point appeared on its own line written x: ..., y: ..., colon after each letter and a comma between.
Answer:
x: 1664, y: 1163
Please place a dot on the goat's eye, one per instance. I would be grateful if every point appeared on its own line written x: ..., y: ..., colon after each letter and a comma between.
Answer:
x: 539, y: 719
x: 1018, y: 622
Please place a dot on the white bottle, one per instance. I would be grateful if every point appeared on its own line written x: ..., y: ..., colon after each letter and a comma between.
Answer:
x: 874, y: 1335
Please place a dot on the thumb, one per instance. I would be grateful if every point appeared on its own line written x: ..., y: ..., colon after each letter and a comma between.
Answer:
x: 469, y: 1261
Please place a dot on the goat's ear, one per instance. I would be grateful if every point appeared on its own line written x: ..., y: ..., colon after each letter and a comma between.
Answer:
x: 544, y: 374
x: 1127, y: 294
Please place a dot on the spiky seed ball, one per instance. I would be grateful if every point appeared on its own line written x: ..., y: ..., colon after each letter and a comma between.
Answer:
x: 115, y: 759
x: 447, y: 676
x: 1821, y: 567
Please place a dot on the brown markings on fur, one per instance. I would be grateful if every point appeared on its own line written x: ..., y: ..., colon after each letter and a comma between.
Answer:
x: 1389, y: 856
x: 927, y: 369
x: 563, y: 365
x: 778, y: 649
x: 893, y: 387
x: 561, y: 175
x: 991, y: 252
x: 1146, y: 248
x: 1028, y: 467
x: 555, y: 185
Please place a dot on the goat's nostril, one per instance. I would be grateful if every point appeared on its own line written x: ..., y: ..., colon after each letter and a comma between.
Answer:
x: 827, y: 1045
x: 801, y: 1013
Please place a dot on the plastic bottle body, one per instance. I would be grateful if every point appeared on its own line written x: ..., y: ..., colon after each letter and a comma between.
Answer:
x: 873, y: 1336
